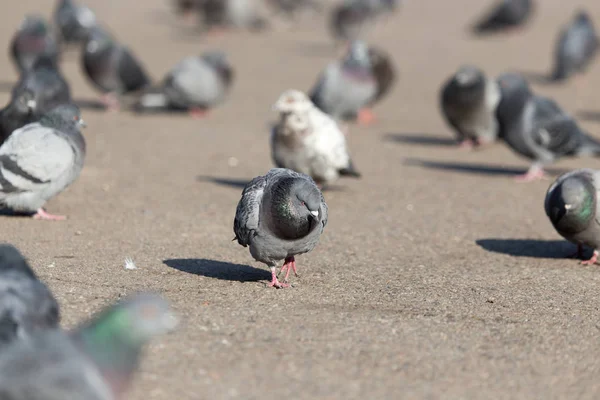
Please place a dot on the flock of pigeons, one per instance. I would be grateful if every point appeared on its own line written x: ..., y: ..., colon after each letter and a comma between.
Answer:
x: 281, y: 214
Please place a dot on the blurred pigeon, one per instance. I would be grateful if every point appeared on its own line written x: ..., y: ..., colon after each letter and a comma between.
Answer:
x: 291, y: 8
x: 19, y: 112
x: 383, y: 71
x: 351, y: 18
x: 94, y: 362
x: 242, y: 14
x: 48, y: 85
x: 187, y: 6
x: 468, y: 102
x: 196, y: 84
x: 32, y: 40
x: 504, y: 15
x: 40, y: 160
x: 112, y: 68
x: 280, y: 215
x: 309, y: 141
x: 345, y: 88
x: 576, y: 47
x: 74, y: 21
x: 26, y: 304
x: 537, y: 128
x: 572, y: 205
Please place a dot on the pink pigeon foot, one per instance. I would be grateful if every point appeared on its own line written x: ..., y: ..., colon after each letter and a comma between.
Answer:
x: 365, y: 116
x: 534, y: 174
x: 43, y: 215
x: 289, y: 265
x: 592, y: 260
x: 275, y: 282
x: 198, y: 113
x: 111, y: 102
x: 466, y: 144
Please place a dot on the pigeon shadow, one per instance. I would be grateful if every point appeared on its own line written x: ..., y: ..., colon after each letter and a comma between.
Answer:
x: 235, y: 183
x: 587, y: 115
x: 481, y: 169
x: 420, y: 139
x: 86, y: 104
x: 218, y: 269
x: 529, y: 247
x: 7, y: 212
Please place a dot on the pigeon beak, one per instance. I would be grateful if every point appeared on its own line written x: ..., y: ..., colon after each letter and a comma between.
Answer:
x: 568, y: 206
x: 82, y: 123
x: 315, y: 213
x: 31, y: 104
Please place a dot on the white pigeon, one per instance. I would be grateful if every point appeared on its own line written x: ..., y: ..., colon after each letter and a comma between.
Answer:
x: 309, y: 141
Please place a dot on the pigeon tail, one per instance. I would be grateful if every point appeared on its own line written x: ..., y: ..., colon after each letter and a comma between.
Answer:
x: 350, y: 171
x: 590, y: 146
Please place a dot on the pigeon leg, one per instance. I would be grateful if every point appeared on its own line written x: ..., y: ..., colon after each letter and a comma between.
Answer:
x: 289, y: 265
x: 111, y: 102
x: 592, y: 260
x: 198, y: 113
x: 466, y: 144
x: 365, y: 116
x: 578, y: 254
x: 535, y: 172
x: 274, y: 281
x: 42, y: 214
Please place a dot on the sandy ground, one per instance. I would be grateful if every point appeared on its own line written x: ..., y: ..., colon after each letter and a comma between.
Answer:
x: 437, y: 275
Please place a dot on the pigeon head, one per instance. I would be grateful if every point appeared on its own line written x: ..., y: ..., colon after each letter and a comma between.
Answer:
x: 582, y: 17
x: 216, y: 58
x: 23, y: 101
x: 35, y: 25
x: 11, y: 259
x: 292, y: 101
x: 514, y: 93
x: 573, y: 204
x: 67, y: 116
x: 511, y: 83
x: 468, y: 76
x: 358, y: 55
x: 295, y: 207
x: 97, y: 39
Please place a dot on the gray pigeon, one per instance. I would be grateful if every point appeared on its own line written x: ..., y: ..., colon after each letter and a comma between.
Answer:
x: 240, y: 14
x: 32, y: 40
x: 196, y: 84
x: 280, y: 215
x: 345, y: 88
x: 506, y: 14
x: 309, y: 141
x: 572, y: 205
x: 350, y: 19
x: 94, y: 362
x: 19, y: 112
x: 40, y: 160
x: 468, y: 102
x: 577, y: 46
x: 291, y: 8
x: 112, y: 68
x: 48, y: 85
x: 537, y: 128
x: 26, y: 304
x: 74, y: 21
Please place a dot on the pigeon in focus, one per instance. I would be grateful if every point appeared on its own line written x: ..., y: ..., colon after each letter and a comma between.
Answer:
x: 576, y: 47
x: 537, y: 128
x: 32, y: 40
x: 505, y: 15
x: 468, y: 101
x: 280, y: 215
x: 96, y: 361
x: 49, y: 87
x: 112, y: 68
x: 572, y: 205
x: 40, y: 160
x: 19, y: 112
x: 196, y: 84
x: 240, y: 14
x: 26, y: 304
x: 346, y: 88
x: 309, y: 141
x: 74, y: 21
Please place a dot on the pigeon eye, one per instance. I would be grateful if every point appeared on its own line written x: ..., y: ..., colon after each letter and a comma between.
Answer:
x: 302, y: 203
x: 76, y: 118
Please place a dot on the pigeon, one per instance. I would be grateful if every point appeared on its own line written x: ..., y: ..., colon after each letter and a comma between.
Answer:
x: 506, y: 14
x: 48, y: 85
x: 26, y: 304
x: 468, y: 102
x: 40, y: 160
x: 241, y: 14
x: 96, y: 361
x: 576, y: 47
x: 537, y: 128
x: 309, y: 141
x: 350, y: 19
x: 19, y: 112
x: 384, y: 73
x: 112, y: 68
x: 291, y: 8
x: 345, y: 88
x: 196, y: 84
x: 572, y: 205
x: 280, y: 215
x: 74, y: 21
x: 32, y: 40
